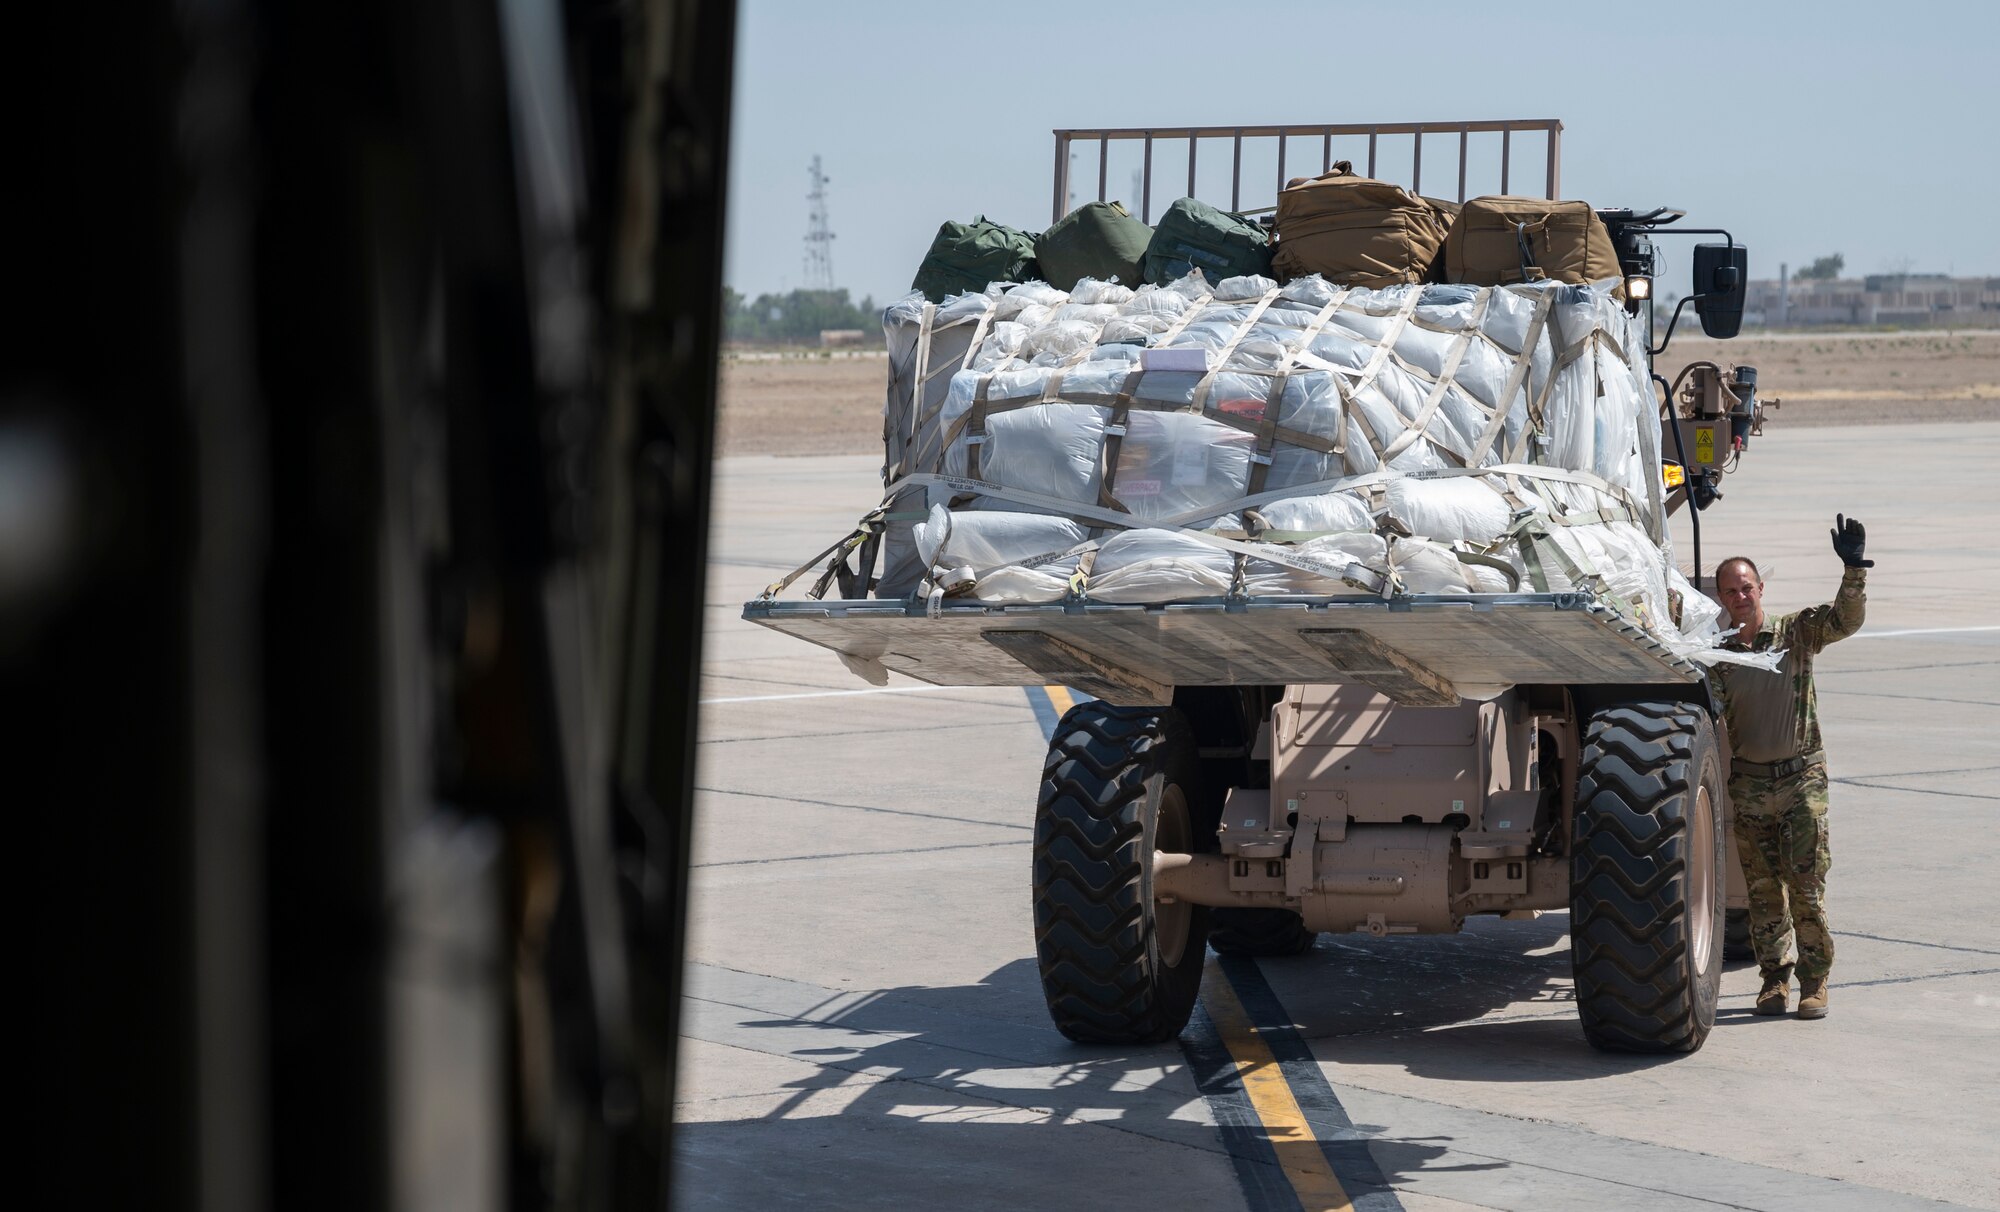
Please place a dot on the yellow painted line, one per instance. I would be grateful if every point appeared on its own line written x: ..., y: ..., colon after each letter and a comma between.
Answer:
x: 1059, y: 698
x: 1299, y: 1154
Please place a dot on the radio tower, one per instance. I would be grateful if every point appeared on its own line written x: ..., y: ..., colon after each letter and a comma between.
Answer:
x: 819, y: 241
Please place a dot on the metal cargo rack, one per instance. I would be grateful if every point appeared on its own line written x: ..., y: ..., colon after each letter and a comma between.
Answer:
x: 1420, y: 650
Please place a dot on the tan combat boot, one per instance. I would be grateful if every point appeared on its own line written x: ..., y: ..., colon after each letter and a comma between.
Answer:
x: 1776, y: 992
x: 1812, y: 998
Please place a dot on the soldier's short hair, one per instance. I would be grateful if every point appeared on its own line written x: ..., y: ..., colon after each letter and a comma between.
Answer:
x: 1746, y: 561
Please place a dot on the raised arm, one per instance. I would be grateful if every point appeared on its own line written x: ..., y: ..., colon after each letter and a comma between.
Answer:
x: 1819, y: 626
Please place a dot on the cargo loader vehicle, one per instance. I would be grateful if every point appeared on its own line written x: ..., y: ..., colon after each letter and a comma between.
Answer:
x: 1253, y: 771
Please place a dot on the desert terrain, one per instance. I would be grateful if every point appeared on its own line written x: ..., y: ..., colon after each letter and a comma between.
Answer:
x: 823, y: 403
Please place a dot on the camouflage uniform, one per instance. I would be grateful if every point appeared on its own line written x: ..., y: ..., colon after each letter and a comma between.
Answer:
x: 1781, y: 826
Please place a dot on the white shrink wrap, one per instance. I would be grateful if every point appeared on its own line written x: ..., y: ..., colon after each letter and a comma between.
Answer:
x: 1333, y: 511
x: 1158, y: 566
x: 990, y: 539
x: 1426, y: 567
x: 1175, y: 462
x: 1314, y: 415
x: 1448, y: 509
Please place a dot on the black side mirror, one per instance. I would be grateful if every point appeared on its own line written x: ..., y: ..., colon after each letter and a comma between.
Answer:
x: 1721, y: 280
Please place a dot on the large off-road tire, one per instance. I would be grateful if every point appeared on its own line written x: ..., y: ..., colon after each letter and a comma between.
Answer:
x: 1259, y: 932
x: 1646, y: 878
x: 1736, y: 935
x: 1117, y: 966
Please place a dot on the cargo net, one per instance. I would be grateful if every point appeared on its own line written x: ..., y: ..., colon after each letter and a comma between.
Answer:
x: 1250, y: 440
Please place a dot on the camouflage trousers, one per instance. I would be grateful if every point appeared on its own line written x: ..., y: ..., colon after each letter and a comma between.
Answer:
x: 1781, y: 838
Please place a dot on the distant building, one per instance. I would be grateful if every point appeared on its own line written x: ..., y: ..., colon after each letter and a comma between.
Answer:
x: 1875, y: 299
x: 829, y: 337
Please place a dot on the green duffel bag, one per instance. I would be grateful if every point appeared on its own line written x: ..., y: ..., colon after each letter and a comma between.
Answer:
x: 1096, y: 240
x: 1194, y: 235
x: 966, y: 256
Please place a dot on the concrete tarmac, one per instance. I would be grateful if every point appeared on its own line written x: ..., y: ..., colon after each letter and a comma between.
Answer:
x: 864, y: 1025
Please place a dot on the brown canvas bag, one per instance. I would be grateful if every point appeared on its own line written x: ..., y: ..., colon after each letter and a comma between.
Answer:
x: 1356, y: 231
x: 1498, y: 240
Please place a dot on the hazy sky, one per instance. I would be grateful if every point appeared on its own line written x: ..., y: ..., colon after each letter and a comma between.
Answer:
x: 1806, y: 129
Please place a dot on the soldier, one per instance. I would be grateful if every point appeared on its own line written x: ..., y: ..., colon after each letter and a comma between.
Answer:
x: 1777, y: 774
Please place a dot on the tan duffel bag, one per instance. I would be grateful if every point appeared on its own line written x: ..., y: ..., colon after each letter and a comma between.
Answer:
x: 1356, y: 231
x: 1499, y: 240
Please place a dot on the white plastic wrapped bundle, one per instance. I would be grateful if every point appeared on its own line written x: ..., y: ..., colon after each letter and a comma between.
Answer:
x: 1333, y: 511
x: 1014, y: 301
x: 1148, y: 565
x: 1173, y: 462
x: 1312, y: 407
x: 1091, y: 292
x: 1425, y: 567
x: 986, y: 540
x: 1457, y: 508
x: 1157, y: 566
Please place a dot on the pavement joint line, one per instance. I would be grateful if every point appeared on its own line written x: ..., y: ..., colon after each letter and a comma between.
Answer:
x: 1911, y: 942
x: 1963, y: 795
x: 807, y: 858
x: 928, y: 816
x: 1746, y: 998
x: 1905, y: 631
x: 1828, y: 673
x: 1905, y: 774
x: 1914, y: 698
x: 1907, y: 980
x: 1585, y: 1130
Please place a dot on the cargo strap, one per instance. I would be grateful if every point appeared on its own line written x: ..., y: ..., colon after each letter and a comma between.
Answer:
x: 1503, y: 404
x: 1386, y: 344
x: 973, y: 423
x: 870, y: 525
x: 1352, y: 572
x: 1106, y: 517
x: 1207, y: 384
x: 1414, y: 428
x: 1274, y: 399
x: 1114, y: 440
x: 1536, y: 544
x: 920, y: 386
x: 1182, y: 321
x: 1775, y: 770
x: 1537, y: 407
x: 923, y: 361
x: 989, y: 407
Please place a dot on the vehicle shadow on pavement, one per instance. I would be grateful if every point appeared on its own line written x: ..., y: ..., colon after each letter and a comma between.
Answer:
x: 955, y: 1096
x: 966, y: 1094
x: 1494, y: 1003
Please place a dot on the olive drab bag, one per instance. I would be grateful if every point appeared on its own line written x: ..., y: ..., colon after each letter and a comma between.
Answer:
x: 1096, y: 240
x: 1499, y: 240
x: 1356, y: 231
x: 1194, y: 235
x: 966, y: 256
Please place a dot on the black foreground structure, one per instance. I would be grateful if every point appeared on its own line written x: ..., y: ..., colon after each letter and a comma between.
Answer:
x: 357, y: 409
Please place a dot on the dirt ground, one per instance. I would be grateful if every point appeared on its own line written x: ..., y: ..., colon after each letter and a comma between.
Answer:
x: 813, y: 404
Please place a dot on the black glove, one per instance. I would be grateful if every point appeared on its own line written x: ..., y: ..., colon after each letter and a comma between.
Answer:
x: 1848, y: 538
